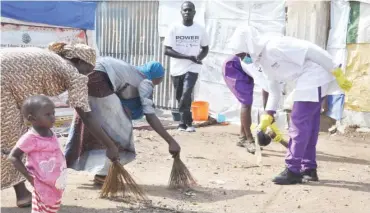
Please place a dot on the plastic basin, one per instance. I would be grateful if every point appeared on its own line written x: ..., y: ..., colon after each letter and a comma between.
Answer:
x: 199, y: 110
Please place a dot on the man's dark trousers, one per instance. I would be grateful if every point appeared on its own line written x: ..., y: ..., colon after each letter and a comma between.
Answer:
x: 184, y: 86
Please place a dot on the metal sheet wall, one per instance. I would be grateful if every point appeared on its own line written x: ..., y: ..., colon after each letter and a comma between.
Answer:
x: 128, y: 30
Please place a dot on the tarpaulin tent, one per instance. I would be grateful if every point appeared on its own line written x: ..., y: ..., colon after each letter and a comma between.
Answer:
x: 36, y: 23
x: 75, y: 14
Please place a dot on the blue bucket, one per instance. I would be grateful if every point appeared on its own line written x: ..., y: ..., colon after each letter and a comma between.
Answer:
x: 176, y: 116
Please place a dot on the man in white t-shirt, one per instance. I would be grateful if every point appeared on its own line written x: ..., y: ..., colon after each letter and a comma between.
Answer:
x: 187, y: 45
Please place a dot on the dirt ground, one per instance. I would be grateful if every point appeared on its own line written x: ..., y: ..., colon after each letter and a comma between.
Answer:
x: 228, y: 179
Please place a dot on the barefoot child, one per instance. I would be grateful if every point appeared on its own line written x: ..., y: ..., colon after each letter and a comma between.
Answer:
x: 45, y: 168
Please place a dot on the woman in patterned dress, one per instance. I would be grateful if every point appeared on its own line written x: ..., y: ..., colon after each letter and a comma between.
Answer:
x: 115, y: 88
x: 30, y: 71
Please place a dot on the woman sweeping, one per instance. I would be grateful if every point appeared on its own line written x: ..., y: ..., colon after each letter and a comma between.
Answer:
x: 312, y: 70
x: 118, y: 92
x: 31, y: 71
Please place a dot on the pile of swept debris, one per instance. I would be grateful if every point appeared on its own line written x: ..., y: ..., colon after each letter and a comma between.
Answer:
x: 354, y: 131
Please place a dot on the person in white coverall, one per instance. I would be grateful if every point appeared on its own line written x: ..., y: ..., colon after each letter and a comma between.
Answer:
x: 314, y: 75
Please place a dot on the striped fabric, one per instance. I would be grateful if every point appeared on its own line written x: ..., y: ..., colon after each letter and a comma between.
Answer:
x: 39, y: 207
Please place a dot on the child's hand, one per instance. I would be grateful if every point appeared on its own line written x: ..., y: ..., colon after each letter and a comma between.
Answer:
x: 15, y: 157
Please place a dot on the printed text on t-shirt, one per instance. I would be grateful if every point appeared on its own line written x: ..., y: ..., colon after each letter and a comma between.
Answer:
x: 187, y: 41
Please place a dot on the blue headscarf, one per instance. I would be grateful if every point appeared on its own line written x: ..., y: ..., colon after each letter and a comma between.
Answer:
x: 152, y: 70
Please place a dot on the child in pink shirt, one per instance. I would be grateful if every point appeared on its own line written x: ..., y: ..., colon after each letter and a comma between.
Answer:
x: 46, y: 167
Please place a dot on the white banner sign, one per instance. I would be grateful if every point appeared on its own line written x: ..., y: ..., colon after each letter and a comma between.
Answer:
x: 18, y: 35
x: 15, y: 35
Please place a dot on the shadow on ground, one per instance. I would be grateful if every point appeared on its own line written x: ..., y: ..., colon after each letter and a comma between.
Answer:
x: 321, y: 156
x: 78, y: 209
x: 198, y: 194
x: 353, y: 186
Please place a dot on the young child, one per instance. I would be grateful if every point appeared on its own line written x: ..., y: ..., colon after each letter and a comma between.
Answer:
x: 46, y: 166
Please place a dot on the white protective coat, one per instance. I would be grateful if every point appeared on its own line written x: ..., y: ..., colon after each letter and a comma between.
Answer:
x: 289, y: 60
x: 256, y: 73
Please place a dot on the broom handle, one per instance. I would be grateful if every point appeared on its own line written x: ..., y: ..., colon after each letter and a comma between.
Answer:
x: 258, y: 152
x: 284, y: 143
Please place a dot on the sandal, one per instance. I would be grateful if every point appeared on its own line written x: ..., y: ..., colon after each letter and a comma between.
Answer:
x: 251, y: 147
x: 99, y: 180
x: 241, y: 142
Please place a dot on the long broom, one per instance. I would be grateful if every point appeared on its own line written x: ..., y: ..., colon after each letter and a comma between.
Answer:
x: 119, y: 181
x: 180, y: 175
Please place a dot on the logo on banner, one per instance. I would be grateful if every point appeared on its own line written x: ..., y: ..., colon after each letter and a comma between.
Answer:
x: 26, y: 38
x: 14, y: 35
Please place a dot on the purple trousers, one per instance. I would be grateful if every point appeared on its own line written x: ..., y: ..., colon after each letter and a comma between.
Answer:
x: 240, y: 84
x: 304, y: 133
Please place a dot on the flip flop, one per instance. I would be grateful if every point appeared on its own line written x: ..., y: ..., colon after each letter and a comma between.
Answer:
x: 241, y: 143
x: 99, y: 180
x: 24, y: 204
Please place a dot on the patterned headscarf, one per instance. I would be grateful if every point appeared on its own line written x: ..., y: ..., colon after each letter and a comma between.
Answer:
x: 70, y: 51
x: 152, y: 70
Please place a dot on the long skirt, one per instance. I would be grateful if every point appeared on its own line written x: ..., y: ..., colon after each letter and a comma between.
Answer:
x: 12, y: 128
x: 86, y: 153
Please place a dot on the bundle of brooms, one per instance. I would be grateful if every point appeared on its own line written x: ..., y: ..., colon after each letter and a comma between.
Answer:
x: 180, y: 175
x: 119, y: 181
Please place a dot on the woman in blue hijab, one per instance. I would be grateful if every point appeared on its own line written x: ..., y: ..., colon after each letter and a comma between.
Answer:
x: 154, y: 72
x: 118, y: 93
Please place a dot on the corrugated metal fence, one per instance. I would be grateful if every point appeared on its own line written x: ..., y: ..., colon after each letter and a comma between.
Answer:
x: 128, y: 30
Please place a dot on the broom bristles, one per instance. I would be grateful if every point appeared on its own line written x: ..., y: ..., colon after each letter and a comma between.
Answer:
x: 180, y: 175
x: 118, y: 181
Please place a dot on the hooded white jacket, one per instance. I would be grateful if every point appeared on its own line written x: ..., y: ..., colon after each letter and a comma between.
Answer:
x: 289, y: 60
